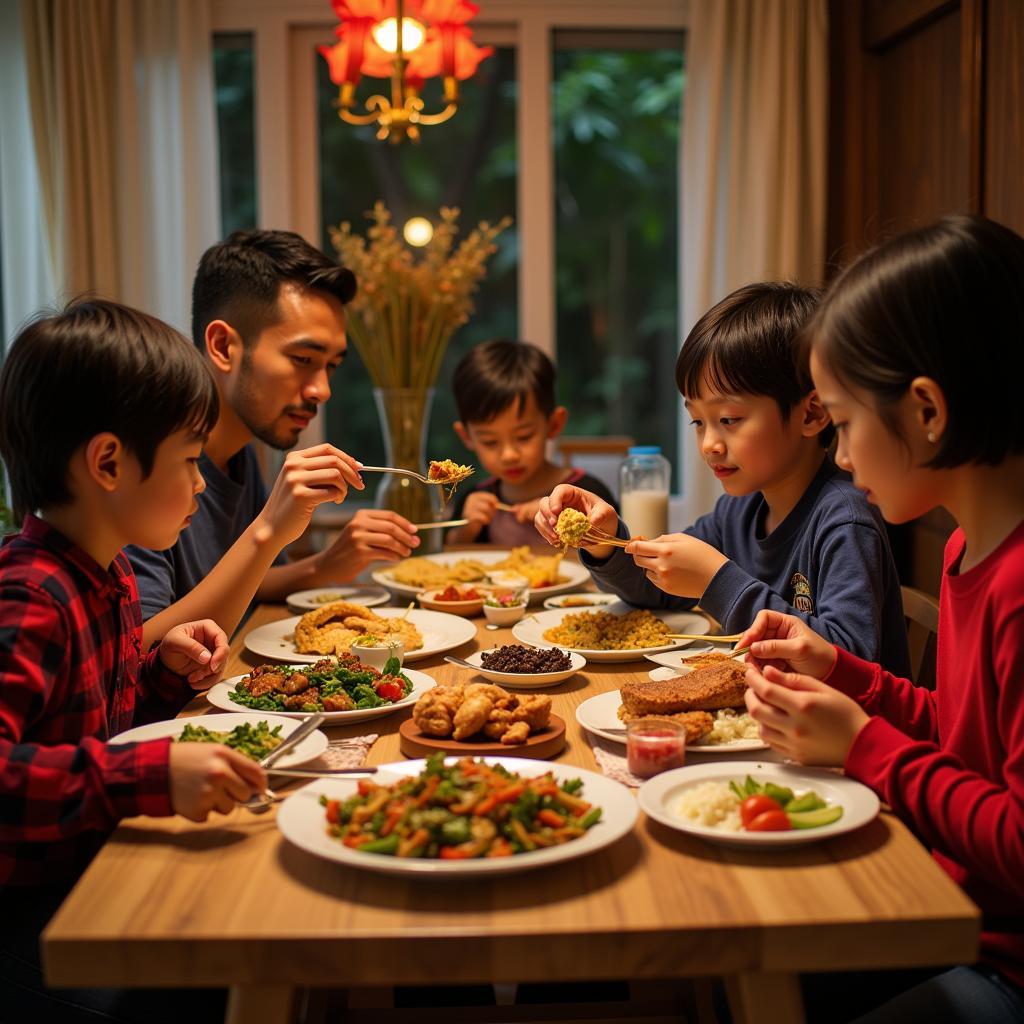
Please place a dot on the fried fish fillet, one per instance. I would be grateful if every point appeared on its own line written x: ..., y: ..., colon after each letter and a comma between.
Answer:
x: 710, y: 688
x: 696, y: 723
x: 332, y: 628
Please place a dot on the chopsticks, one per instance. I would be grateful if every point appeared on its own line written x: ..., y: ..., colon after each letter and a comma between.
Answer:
x: 439, y: 526
x: 711, y: 638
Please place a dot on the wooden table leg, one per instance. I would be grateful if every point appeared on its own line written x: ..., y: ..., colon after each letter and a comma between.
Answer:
x: 260, y: 1004
x: 765, y: 998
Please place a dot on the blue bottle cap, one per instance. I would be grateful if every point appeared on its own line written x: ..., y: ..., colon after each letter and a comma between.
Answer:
x: 645, y: 449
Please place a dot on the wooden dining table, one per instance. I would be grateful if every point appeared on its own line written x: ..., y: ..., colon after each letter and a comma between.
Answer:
x: 168, y: 902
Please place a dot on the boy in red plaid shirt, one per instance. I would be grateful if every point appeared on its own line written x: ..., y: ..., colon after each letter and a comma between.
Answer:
x: 103, y: 413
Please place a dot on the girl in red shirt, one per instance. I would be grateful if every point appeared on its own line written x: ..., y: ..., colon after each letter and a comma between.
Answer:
x: 916, y: 352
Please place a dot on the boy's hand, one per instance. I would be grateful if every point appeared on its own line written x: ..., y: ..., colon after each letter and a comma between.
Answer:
x: 526, y: 511
x: 803, y: 718
x: 480, y: 508
x: 789, y: 644
x: 677, y: 563
x: 210, y: 777
x: 599, y: 512
x: 307, y: 479
x: 196, y: 650
x: 371, y: 535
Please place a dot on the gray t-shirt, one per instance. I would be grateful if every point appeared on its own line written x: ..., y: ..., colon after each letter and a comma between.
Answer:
x: 229, y: 504
x: 827, y: 562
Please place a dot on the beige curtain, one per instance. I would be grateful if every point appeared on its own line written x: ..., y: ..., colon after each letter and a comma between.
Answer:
x: 754, y: 161
x: 123, y: 120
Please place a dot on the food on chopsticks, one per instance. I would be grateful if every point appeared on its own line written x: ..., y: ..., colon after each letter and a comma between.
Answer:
x: 332, y: 684
x: 448, y: 474
x: 255, y: 740
x: 603, y: 631
x: 751, y: 806
x: 572, y: 527
x: 464, y: 712
x: 459, y: 812
x: 539, y: 571
x: 333, y: 628
x: 519, y: 659
x: 703, y: 700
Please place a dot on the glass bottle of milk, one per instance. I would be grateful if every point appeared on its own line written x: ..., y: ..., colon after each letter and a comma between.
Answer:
x: 643, y: 491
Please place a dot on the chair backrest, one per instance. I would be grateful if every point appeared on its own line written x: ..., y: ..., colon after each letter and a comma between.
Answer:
x: 598, y: 456
x: 922, y: 614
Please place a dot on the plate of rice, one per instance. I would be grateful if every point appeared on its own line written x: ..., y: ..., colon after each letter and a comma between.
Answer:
x: 617, y: 632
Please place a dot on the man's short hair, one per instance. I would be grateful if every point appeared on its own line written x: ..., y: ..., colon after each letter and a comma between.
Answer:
x: 239, y: 280
x: 96, y: 366
x: 749, y: 344
x: 494, y: 375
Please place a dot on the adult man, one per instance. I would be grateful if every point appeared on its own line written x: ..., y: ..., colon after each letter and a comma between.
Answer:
x: 268, y: 312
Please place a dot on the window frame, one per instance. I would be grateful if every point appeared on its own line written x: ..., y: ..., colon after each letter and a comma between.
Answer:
x: 284, y: 31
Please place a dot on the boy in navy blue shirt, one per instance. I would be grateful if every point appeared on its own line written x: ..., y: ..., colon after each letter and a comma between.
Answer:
x: 792, y: 532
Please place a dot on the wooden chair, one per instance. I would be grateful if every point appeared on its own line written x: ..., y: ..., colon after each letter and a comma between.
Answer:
x: 573, y: 447
x: 922, y: 614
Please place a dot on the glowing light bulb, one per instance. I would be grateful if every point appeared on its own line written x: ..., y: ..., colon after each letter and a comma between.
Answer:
x: 418, y: 231
x: 385, y: 34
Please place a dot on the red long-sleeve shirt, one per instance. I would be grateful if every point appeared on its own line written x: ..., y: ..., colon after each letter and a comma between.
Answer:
x: 71, y: 672
x: 951, y: 762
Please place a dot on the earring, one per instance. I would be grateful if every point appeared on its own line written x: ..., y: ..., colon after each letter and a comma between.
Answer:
x: 932, y: 437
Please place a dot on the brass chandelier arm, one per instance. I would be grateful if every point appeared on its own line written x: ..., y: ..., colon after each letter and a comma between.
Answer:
x: 438, y: 118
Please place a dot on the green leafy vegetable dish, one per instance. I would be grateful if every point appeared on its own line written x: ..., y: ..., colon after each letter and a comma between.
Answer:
x: 461, y: 811
x: 332, y: 684
x: 255, y: 741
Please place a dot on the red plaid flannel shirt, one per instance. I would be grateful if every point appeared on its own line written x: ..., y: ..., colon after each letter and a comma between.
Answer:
x: 71, y: 671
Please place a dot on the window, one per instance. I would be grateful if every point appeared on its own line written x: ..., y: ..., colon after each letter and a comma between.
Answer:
x: 616, y: 122
x: 236, y: 130
x: 468, y: 162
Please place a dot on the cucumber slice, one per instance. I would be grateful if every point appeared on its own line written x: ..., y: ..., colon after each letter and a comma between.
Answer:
x: 808, y: 802
x: 815, y: 819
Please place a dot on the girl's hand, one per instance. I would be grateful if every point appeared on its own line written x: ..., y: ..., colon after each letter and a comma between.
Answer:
x: 196, y: 650
x: 526, y: 511
x: 677, y: 563
x: 599, y: 512
x: 208, y: 777
x: 803, y: 718
x: 787, y: 643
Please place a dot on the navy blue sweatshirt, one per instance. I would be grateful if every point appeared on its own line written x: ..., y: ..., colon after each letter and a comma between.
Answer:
x: 828, y: 562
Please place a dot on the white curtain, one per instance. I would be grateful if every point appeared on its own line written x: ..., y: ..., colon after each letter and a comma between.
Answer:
x: 754, y: 162
x: 122, y: 108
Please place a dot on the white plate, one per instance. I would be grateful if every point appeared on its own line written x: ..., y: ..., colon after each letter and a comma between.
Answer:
x: 597, y: 600
x: 306, y: 600
x: 441, y: 632
x: 527, y: 680
x: 531, y: 631
x: 599, y: 715
x: 302, y: 820
x: 219, y: 697
x: 575, y: 574
x: 860, y: 805
x: 312, y: 746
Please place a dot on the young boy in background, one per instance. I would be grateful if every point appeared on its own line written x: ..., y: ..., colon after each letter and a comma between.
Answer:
x: 792, y: 533
x: 505, y: 396
x: 103, y: 413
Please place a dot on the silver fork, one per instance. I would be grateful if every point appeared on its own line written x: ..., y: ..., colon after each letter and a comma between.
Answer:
x: 401, y: 472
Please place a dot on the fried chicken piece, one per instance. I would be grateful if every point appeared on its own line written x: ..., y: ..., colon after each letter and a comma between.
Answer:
x: 518, y: 732
x: 472, y: 715
x: 339, y: 701
x: 295, y: 683
x: 495, y: 694
x: 434, y: 711
x: 299, y: 700
x: 263, y: 684
x: 530, y: 710
x: 535, y: 710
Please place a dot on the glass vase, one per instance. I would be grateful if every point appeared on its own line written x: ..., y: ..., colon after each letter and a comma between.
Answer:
x: 404, y: 416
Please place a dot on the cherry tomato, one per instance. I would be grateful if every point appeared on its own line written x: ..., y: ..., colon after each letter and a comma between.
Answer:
x: 770, y: 821
x: 755, y: 805
x: 388, y: 689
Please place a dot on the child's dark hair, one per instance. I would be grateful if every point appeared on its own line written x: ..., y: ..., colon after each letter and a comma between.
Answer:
x: 749, y: 344
x: 239, y: 280
x: 947, y: 302
x: 96, y: 366
x: 492, y: 376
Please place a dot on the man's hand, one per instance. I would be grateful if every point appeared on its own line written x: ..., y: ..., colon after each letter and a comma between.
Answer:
x: 677, y: 563
x: 479, y: 508
x: 307, y: 479
x: 803, y: 718
x: 371, y: 535
x: 195, y: 650
x: 598, y: 511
